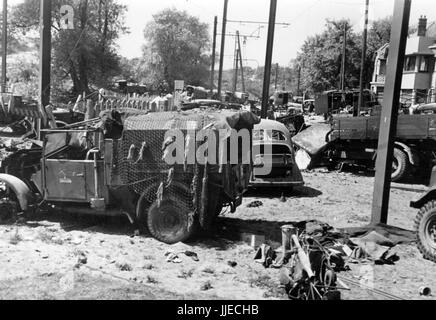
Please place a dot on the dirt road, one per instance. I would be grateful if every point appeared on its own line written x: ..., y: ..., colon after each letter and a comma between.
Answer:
x: 65, y: 257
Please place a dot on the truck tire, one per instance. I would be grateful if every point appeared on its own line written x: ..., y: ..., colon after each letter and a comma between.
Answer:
x: 425, y: 226
x: 170, y: 222
x: 400, y: 165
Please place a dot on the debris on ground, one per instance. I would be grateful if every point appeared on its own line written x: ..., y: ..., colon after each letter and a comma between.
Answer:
x: 255, y: 204
x: 172, y: 257
x: 192, y: 255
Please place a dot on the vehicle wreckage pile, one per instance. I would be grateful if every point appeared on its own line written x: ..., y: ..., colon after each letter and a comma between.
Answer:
x: 313, y: 254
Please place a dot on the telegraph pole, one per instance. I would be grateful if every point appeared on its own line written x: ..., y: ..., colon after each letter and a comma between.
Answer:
x: 223, y: 42
x: 344, y: 58
x: 212, y: 73
x: 277, y: 76
x: 45, y: 58
x: 363, y: 63
x: 268, y: 59
x: 236, y: 64
x: 4, y: 46
x: 389, y: 116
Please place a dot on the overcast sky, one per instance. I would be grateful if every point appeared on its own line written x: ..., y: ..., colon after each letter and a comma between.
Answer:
x: 306, y: 18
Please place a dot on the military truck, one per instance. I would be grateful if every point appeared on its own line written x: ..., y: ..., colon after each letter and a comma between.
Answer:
x: 118, y: 165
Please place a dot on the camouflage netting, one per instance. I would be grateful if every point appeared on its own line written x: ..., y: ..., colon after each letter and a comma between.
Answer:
x: 138, y: 156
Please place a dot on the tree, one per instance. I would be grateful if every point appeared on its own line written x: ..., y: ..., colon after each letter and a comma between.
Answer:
x: 86, y: 54
x: 320, y: 57
x: 176, y: 49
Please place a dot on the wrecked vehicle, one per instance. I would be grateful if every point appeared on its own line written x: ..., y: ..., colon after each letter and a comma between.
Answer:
x: 272, y: 136
x: 425, y: 222
x: 355, y: 140
x: 120, y: 165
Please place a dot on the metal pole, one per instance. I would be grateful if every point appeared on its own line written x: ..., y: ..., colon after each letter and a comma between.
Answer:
x: 268, y: 59
x: 363, y: 63
x: 212, y: 73
x: 45, y: 53
x: 242, y: 66
x: 235, y: 64
x: 4, y: 46
x: 223, y: 42
x: 389, y: 116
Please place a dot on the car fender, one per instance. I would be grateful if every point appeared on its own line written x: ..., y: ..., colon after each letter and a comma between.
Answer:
x: 24, y: 196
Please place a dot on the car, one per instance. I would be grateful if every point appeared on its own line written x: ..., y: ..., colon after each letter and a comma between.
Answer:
x: 272, y: 136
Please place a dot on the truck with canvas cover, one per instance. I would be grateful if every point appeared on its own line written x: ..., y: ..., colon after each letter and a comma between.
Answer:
x: 147, y: 166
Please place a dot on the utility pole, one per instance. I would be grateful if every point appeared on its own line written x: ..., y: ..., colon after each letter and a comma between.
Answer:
x: 344, y: 58
x: 45, y: 56
x: 277, y: 76
x: 389, y: 116
x: 212, y: 73
x: 268, y: 58
x: 223, y: 43
x: 235, y: 65
x: 4, y: 46
x: 363, y: 63
x: 299, y: 80
x: 242, y: 66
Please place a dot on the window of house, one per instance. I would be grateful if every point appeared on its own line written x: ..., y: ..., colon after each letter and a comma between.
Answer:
x: 424, y: 65
x: 410, y: 63
x: 382, y: 67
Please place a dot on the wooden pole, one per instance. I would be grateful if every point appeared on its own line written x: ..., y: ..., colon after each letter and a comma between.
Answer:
x: 363, y: 63
x: 212, y: 72
x: 45, y: 53
x: 4, y: 46
x: 223, y: 43
x: 268, y: 59
x: 344, y: 58
x: 389, y: 116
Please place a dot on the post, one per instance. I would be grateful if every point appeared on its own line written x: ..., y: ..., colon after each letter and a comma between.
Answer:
x: 363, y: 63
x: 299, y: 80
x: 242, y: 66
x: 277, y: 76
x: 4, y: 46
x: 389, y: 116
x: 268, y: 59
x: 212, y: 73
x: 223, y: 43
x: 344, y: 58
x: 236, y: 65
x: 45, y: 53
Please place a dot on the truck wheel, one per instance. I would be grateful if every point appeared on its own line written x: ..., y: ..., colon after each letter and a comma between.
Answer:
x: 399, y: 165
x: 170, y: 222
x: 425, y: 226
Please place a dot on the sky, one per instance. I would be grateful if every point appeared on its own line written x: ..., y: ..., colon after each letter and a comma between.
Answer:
x: 305, y: 18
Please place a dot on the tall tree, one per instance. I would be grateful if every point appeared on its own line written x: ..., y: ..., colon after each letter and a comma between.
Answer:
x: 85, y: 54
x: 176, y: 49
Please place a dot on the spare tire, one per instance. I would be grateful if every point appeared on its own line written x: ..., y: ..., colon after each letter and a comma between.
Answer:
x: 425, y: 226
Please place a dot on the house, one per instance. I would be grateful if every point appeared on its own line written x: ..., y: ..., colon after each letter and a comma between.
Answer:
x: 419, y: 74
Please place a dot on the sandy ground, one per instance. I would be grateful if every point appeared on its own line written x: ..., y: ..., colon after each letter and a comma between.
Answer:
x: 39, y: 260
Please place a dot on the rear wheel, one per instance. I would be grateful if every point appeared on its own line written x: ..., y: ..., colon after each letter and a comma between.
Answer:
x: 171, y: 222
x: 425, y: 226
x: 400, y: 165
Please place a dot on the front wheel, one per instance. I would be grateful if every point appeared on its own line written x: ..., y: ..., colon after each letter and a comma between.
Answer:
x: 425, y: 226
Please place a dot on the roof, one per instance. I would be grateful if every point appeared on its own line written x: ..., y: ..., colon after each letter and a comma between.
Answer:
x: 271, y: 125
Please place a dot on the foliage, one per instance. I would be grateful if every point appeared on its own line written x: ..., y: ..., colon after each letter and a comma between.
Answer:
x: 86, y: 55
x: 176, y: 49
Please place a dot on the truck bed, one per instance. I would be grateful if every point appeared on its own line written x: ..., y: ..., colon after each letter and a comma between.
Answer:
x: 410, y: 127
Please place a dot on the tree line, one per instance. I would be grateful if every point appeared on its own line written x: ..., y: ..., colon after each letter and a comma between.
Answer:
x: 177, y: 46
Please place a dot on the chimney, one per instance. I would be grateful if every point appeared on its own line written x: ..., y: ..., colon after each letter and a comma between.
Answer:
x: 422, y: 26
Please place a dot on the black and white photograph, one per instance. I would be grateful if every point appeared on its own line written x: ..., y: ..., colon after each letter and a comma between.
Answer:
x: 219, y: 155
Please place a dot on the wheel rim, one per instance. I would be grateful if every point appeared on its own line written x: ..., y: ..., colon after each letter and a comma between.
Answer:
x: 168, y: 221
x: 430, y: 232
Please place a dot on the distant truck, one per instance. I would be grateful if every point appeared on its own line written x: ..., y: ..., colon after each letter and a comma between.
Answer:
x: 355, y: 139
x: 332, y: 102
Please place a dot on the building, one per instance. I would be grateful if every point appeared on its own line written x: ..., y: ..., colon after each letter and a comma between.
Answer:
x: 419, y: 74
